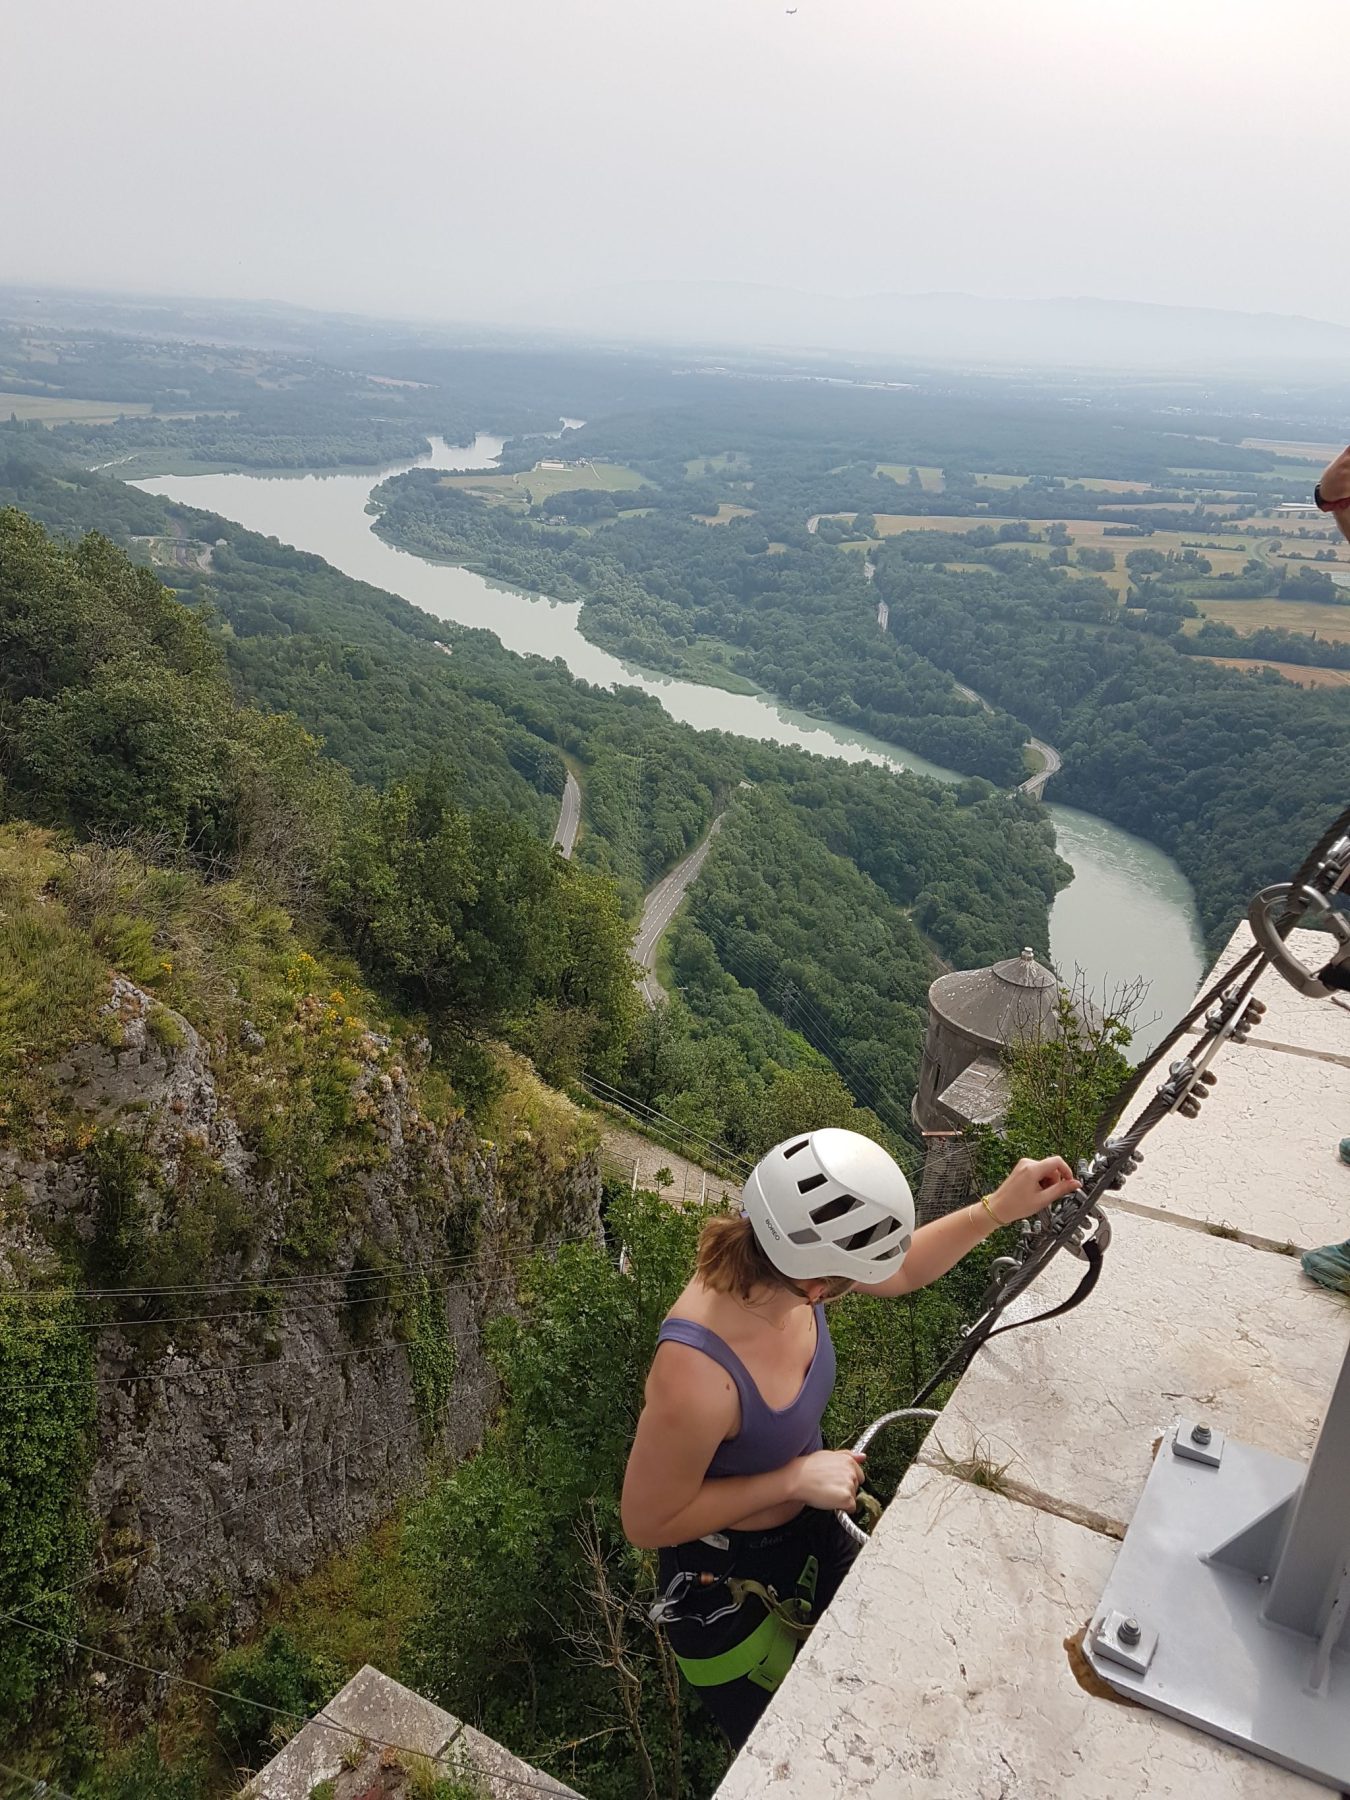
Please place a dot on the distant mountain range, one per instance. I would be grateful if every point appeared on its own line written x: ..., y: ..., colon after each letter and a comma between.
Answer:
x: 945, y: 327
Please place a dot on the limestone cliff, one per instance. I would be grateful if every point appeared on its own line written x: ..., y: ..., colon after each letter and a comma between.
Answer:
x: 301, y: 1365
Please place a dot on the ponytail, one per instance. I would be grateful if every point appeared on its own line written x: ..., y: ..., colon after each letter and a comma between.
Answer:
x: 730, y: 1260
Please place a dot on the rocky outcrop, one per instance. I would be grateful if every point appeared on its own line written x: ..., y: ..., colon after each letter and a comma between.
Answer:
x: 250, y: 1429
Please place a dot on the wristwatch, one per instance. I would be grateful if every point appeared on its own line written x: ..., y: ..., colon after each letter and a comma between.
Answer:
x: 1333, y: 506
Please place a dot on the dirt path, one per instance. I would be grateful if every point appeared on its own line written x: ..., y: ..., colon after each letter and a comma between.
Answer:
x: 624, y: 1151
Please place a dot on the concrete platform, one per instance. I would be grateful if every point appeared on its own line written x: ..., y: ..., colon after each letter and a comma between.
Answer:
x: 1180, y: 1323
x: 941, y: 1669
x: 1262, y: 1155
x: 1319, y: 1026
x: 376, y: 1737
x: 944, y: 1674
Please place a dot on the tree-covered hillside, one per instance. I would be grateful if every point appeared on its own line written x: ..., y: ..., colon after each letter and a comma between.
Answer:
x: 800, y: 622
x: 1233, y: 777
x: 359, y: 669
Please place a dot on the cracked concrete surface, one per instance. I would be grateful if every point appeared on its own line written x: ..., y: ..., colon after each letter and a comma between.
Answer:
x: 943, y: 1667
x: 943, y: 1672
x: 1180, y: 1322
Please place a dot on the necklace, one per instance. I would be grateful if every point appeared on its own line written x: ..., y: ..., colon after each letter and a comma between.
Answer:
x: 773, y: 1324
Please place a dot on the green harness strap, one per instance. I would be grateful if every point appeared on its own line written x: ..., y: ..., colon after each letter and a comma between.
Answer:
x: 765, y: 1656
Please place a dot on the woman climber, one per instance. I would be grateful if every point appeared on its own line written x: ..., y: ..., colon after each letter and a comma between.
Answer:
x: 727, y: 1477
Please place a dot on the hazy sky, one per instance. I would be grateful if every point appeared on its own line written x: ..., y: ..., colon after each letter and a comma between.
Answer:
x: 455, y: 158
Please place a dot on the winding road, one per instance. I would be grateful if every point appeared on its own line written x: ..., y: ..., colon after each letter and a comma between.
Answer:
x: 569, y: 816
x: 1054, y: 762
x: 661, y: 906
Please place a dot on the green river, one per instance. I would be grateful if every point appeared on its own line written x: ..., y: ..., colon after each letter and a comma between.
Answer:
x: 1129, y: 912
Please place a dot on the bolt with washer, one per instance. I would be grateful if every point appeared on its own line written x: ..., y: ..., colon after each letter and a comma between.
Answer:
x: 1201, y: 1434
x: 1129, y: 1632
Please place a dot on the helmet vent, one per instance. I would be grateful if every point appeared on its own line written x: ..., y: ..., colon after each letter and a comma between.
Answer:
x: 809, y: 1183
x: 833, y: 1209
x: 805, y: 1236
x: 794, y: 1148
x: 874, y: 1233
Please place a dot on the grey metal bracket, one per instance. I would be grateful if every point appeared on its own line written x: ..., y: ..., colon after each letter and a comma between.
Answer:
x: 1122, y: 1639
x: 1198, y: 1442
x: 1238, y: 1565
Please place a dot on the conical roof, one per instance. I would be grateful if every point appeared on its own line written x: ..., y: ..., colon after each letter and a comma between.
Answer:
x: 1015, y: 999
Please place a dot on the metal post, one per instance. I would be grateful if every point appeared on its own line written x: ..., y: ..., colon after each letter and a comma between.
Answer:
x: 1229, y: 1605
x: 1305, y: 1582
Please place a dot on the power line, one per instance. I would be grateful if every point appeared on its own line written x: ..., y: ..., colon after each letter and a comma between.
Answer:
x: 276, y: 1712
x: 630, y: 1102
x: 752, y: 960
x: 253, y: 1284
x: 38, y: 1786
x: 12, y: 1384
x: 607, y: 1094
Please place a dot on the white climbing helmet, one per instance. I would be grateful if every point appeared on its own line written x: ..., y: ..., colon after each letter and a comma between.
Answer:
x: 830, y: 1203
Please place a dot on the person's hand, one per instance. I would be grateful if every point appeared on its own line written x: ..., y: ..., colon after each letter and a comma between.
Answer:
x: 1335, y: 482
x: 829, y: 1479
x: 1032, y: 1186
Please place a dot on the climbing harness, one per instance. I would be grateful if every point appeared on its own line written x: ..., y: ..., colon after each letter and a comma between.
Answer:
x: 1226, y: 1013
x: 765, y: 1654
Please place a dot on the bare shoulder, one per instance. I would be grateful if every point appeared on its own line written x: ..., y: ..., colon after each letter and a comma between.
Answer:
x: 684, y: 1385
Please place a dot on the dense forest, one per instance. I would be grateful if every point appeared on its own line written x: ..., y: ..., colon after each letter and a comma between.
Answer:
x: 159, y: 826
x: 797, y: 621
x: 1230, y: 775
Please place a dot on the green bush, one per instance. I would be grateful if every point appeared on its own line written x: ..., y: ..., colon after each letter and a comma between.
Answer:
x: 46, y: 1439
x: 118, y: 1168
x: 141, y: 1774
x: 271, y: 1678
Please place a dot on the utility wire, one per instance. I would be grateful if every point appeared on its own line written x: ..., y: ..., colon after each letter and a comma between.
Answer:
x: 38, y: 1786
x: 630, y: 1102
x: 264, y: 1312
x: 276, y: 1712
x: 252, y: 1284
x: 864, y: 1088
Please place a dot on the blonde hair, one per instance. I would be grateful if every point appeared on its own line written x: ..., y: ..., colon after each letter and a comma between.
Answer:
x: 730, y: 1261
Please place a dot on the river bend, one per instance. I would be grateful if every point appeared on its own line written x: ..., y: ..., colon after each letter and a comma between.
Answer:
x: 1128, y: 913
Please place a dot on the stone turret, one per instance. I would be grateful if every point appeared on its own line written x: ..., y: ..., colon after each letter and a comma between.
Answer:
x: 974, y: 1016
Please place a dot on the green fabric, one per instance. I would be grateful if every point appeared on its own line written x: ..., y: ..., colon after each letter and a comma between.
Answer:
x: 1330, y: 1266
x: 765, y: 1657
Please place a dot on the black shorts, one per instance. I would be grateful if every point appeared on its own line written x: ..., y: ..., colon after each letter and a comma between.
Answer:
x: 734, y: 1657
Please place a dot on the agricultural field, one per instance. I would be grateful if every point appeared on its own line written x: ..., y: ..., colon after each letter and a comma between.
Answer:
x: 52, y: 409
x: 723, y: 463
x: 541, y: 484
x: 929, y: 478
x: 1299, y: 673
x: 1287, y: 615
x: 1318, y: 453
x: 725, y: 513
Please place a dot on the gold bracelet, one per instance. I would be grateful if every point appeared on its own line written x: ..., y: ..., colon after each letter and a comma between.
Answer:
x: 984, y: 1202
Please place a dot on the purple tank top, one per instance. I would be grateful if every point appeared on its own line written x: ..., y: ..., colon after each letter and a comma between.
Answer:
x: 769, y: 1437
